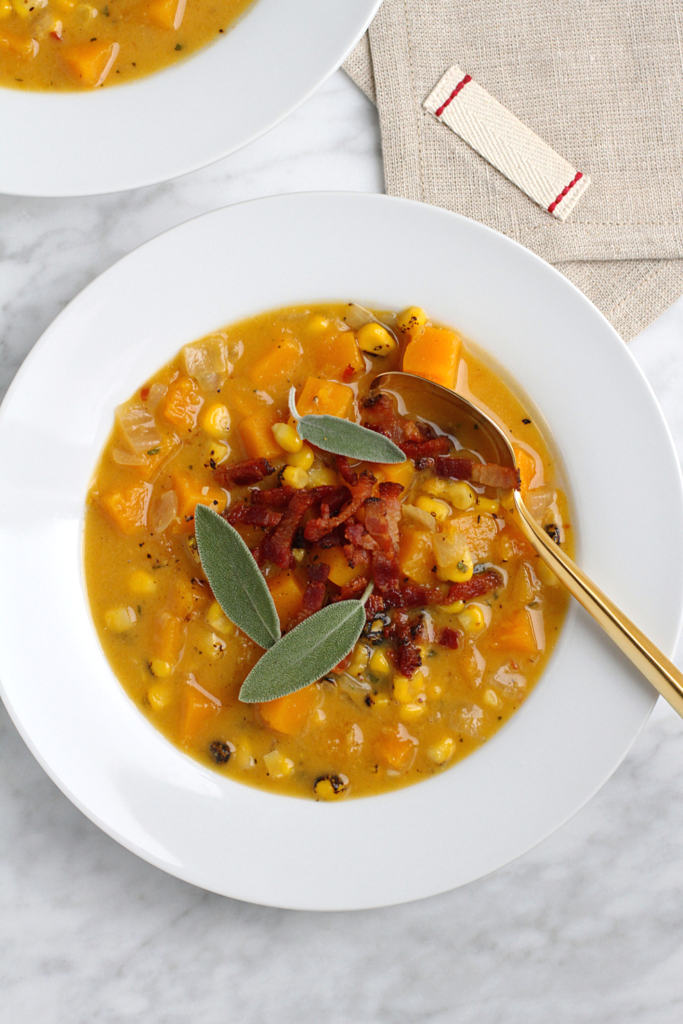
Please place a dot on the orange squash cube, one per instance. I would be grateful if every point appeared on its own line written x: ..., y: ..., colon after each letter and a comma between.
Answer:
x: 527, y: 469
x: 325, y: 397
x: 339, y: 356
x: 398, y: 472
x: 434, y: 355
x: 128, y: 508
x: 395, y: 746
x: 165, y: 13
x: 515, y: 633
x: 190, y: 493
x: 276, y: 365
x: 19, y: 45
x: 168, y: 638
x: 90, y: 63
x: 186, y: 598
x: 416, y: 556
x: 290, y: 714
x: 198, y: 708
x: 181, y: 403
x: 257, y: 437
x: 341, y: 572
x: 480, y: 531
x: 287, y: 591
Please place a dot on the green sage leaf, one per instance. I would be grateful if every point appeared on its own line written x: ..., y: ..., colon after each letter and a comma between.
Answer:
x: 307, y: 652
x: 235, y: 578
x: 341, y: 437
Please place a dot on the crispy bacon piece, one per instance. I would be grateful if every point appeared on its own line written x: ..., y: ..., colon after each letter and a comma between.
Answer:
x: 344, y: 663
x: 334, y: 497
x: 480, y: 583
x: 317, y: 528
x: 353, y: 588
x: 274, y: 497
x: 487, y: 473
x: 253, y: 515
x: 379, y: 414
x: 382, y: 517
x: 359, y: 537
x: 257, y: 552
x: 449, y: 638
x: 374, y: 605
x: 385, y: 573
x: 242, y: 473
x: 356, y: 555
x: 314, y: 594
x: 278, y: 547
x: 425, y: 449
x: 345, y: 471
x: 417, y: 595
x: 334, y: 539
x: 409, y: 656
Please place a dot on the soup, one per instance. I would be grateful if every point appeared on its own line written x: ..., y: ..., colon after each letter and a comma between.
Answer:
x: 64, y: 44
x: 463, y: 616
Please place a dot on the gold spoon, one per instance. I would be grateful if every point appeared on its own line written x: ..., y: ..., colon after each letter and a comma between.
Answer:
x: 453, y: 413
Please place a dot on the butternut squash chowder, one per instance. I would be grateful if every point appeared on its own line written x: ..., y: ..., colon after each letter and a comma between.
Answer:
x: 65, y: 44
x: 463, y: 615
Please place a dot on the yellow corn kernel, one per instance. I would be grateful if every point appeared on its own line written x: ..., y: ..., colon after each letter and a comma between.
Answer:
x: 119, y: 620
x: 439, y: 509
x: 491, y: 698
x: 277, y: 765
x: 472, y: 619
x: 141, y: 582
x: 160, y: 669
x: 359, y: 662
x: 409, y: 712
x: 5, y: 9
x: 331, y: 787
x: 243, y: 756
x: 379, y: 700
x: 458, y: 572
x: 442, y: 751
x: 303, y: 459
x: 406, y: 691
x: 295, y: 477
x: 452, y: 609
x: 215, y: 419
x: 375, y: 340
x: 159, y: 696
x: 218, y: 452
x: 24, y: 8
x: 287, y: 437
x: 323, y: 477
x: 488, y: 505
x: 219, y: 621
x: 379, y: 663
x: 460, y: 495
x: 412, y: 319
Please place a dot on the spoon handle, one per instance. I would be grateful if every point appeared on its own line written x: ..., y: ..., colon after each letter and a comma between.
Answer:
x: 647, y: 658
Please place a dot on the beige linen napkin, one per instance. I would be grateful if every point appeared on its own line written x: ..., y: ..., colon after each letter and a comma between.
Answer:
x: 600, y: 81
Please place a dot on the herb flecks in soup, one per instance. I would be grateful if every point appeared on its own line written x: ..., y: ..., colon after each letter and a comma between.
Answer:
x: 64, y: 44
x: 463, y: 615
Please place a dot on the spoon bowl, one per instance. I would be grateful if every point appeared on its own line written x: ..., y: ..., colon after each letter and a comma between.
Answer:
x: 461, y: 418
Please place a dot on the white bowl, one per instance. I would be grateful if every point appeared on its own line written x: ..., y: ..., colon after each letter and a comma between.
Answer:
x: 182, y: 118
x: 557, y: 749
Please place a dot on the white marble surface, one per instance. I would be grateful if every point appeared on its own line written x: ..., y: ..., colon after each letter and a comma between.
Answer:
x: 586, y: 929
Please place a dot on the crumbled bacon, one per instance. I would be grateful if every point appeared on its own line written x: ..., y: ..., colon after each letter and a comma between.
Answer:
x: 317, y: 528
x: 334, y: 539
x: 379, y: 414
x: 409, y: 656
x: 480, y: 583
x: 278, y: 547
x: 417, y: 595
x: 385, y: 573
x: 274, y: 497
x: 374, y: 606
x: 344, y: 663
x: 345, y: 471
x: 314, y: 594
x: 242, y: 473
x: 487, y: 473
x: 253, y: 515
x: 353, y: 588
x: 425, y: 449
x: 356, y: 555
x: 449, y: 638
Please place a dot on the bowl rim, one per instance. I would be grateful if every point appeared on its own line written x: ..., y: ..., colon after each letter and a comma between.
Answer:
x: 636, y: 696
x: 273, y: 58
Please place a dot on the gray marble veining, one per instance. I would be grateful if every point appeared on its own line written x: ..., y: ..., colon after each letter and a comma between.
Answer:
x: 585, y: 929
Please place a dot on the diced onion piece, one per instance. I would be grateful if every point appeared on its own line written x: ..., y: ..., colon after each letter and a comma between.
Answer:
x: 138, y: 427
x: 156, y: 393
x: 125, y: 458
x: 356, y: 316
x: 418, y: 516
x: 207, y: 361
x: 165, y: 511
